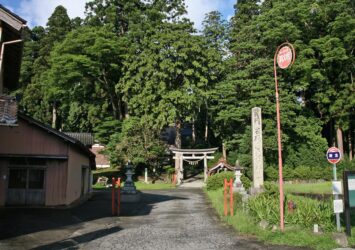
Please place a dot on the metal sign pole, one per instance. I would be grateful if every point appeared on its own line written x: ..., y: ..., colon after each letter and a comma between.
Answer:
x: 334, y: 156
x: 284, y: 57
x: 336, y: 197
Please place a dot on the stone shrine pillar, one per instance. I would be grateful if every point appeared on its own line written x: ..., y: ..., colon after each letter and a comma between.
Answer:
x: 257, y: 148
x: 178, y: 168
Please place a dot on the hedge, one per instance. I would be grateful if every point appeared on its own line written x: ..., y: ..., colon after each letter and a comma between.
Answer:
x: 215, y: 182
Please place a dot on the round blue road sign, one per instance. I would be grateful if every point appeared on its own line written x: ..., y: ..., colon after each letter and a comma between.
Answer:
x: 333, y: 155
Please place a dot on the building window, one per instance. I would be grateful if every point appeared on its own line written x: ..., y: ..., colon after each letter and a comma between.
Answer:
x: 36, y: 179
x: 17, y: 178
x: 21, y: 178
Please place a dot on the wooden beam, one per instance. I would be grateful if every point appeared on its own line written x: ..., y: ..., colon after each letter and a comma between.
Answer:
x: 11, y: 20
x: 195, y: 158
x: 191, y: 151
x: 38, y: 156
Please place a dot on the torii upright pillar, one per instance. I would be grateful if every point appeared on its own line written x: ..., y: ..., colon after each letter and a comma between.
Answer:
x: 205, y: 170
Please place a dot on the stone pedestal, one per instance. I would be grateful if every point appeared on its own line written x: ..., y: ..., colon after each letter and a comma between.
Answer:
x: 257, y: 149
x: 130, y: 198
x: 129, y: 192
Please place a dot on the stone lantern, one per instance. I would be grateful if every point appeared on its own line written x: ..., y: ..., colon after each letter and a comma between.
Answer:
x: 237, y: 184
x: 129, y: 192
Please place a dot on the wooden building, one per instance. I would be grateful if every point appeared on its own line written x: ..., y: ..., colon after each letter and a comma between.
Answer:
x: 42, y: 166
x: 39, y: 166
x: 87, y: 139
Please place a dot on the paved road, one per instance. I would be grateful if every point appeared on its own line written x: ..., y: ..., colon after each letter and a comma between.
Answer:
x: 165, y: 219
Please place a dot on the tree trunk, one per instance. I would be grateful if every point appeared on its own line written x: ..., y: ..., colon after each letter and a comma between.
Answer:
x: 193, y: 131
x: 206, y: 132
x: 350, y: 145
x: 114, y: 98
x: 206, y: 124
x: 54, y: 116
x: 125, y: 110
x: 224, y: 151
x: 332, y: 137
x: 116, y: 107
x: 340, y: 141
x: 178, y: 134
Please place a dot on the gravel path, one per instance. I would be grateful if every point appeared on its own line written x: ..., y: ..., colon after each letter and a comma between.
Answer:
x: 164, y: 219
x: 174, y: 219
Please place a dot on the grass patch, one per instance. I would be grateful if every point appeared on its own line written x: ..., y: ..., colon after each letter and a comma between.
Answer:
x: 292, y: 236
x: 155, y: 186
x: 314, y: 188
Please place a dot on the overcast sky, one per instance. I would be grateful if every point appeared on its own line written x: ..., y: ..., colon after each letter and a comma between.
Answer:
x: 36, y: 12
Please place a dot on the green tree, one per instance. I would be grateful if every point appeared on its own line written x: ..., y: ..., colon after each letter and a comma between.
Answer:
x: 117, y: 14
x: 137, y: 143
x: 32, y: 47
x: 84, y: 70
x: 36, y: 100
x: 215, y: 30
x: 256, y: 32
x: 177, y: 70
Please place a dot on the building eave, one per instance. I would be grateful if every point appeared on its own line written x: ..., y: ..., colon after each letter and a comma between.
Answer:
x: 76, y: 143
x: 11, y: 18
x: 38, y: 156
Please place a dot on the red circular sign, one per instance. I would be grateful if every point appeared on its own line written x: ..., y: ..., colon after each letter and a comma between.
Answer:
x: 333, y: 155
x: 284, y: 57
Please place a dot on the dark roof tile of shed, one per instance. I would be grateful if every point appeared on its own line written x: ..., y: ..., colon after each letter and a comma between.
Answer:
x: 85, y: 138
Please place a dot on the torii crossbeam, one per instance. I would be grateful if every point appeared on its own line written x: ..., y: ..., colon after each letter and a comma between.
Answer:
x: 191, y: 154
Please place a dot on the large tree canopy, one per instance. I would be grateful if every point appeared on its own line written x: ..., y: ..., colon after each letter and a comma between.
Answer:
x: 310, y: 92
x: 85, y: 68
x: 142, y: 63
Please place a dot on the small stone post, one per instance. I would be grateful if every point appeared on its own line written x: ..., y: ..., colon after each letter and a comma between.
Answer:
x: 257, y: 148
x: 146, y: 175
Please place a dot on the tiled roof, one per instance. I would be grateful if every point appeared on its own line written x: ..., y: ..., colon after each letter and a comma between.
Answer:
x: 8, y: 109
x: 222, y: 163
x: 85, y: 138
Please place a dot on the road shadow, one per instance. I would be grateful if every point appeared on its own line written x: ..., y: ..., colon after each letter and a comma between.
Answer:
x: 22, y: 221
x: 73, y: 242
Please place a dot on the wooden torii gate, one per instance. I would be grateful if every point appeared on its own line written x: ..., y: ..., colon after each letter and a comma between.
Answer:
x: 193, y: 155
